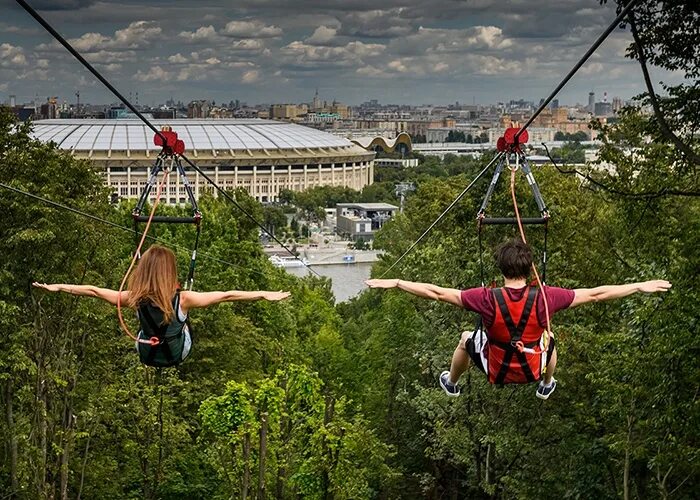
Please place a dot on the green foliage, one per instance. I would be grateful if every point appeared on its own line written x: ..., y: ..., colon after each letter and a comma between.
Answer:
x: 82, y: 418
x: 455, y: 136
x: 312, y: 446
x: 571, y: 152
x: 345, y: 395
x: 579, y: 136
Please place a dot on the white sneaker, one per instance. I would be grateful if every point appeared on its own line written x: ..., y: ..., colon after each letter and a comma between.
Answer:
x: 546, y: 390
x: 450, y: 389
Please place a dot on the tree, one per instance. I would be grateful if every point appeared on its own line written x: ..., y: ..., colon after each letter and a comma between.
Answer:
x: 575, y: 137
x: 455, y: 136
x: 286, y: 196
x: 274, y: 218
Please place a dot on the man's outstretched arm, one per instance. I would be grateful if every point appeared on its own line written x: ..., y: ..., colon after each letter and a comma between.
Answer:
x: 424, y: 290
x: 610, y: 292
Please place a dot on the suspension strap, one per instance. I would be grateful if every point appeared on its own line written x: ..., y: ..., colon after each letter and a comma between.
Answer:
x: 534, y: 267
x: 492, y: 185
x: 137, y: 255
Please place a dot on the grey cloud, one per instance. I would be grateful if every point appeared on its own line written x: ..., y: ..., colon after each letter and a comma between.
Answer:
x: 138, y: 35
x: 61, y: 4
x: 12, y: 56
x: 323, y: 35
x: 427, y: 50
x: 250, y: 29
x: 376, y: 24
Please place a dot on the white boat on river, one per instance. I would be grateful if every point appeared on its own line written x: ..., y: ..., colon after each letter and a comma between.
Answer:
x: 287, y: 262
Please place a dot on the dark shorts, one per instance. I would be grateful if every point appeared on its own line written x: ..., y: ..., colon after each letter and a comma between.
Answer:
x: 475, y: 344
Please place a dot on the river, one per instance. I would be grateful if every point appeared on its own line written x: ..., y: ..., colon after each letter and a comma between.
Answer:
x: 348, y: 280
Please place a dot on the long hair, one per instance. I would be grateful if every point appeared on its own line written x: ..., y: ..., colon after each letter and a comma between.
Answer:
x: 155, y: 281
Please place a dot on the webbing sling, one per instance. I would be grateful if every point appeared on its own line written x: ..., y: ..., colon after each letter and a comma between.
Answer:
x: 516, y: 332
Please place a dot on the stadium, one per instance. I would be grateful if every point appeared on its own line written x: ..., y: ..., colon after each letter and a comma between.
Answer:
x: 261, y: 156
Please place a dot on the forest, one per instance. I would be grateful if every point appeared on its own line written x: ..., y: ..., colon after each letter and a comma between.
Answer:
x: 309, y: 398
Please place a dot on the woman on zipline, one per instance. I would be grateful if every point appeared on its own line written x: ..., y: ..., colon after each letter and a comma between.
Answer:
x: 517, y: 348
x: 164, y: 337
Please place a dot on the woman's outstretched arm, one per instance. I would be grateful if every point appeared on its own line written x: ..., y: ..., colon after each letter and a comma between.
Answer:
x: 191, y: 300
x: 105, y: 294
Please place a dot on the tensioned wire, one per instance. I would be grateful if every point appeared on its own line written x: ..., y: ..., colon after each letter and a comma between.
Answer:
x: 603, y: 36
x: 30, y: 10
x: 123, y: 228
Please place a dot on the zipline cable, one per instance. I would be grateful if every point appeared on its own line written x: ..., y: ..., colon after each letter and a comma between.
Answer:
x: 619, y: 19
x: 442, y: 215
x: 118, y: 226
x: 539, y: 110
x: 30, y: 10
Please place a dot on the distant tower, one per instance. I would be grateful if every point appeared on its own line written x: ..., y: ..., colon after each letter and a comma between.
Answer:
x: 77, y: 104
x: 402, y: 188
x: 316, y: 103
x: 13, y: 101
x: 591, y: 102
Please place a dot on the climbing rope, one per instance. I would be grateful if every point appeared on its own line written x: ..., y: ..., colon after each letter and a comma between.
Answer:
x: 153, y: 341
x: 32, y: 12
x: 519, y: 345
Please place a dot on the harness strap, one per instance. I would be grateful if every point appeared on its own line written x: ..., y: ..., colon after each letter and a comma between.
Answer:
x: 159, y: 331
x: 516, y: 332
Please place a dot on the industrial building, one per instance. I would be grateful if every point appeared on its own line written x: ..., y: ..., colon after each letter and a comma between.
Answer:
x: 359, y: 221
x: 260, y: 156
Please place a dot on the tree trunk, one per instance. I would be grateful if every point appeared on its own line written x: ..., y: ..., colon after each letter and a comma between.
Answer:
x: 246, y: 466
x: 10, y: 420
x: 286, y: 430
x: 82, y: 469
x: 626, y: 473
x: 262, y: 455
x: 41, y: 473
x: 327, y: 417
x: 159, y: 466
x: 65, y: 455
x: 488, y: 464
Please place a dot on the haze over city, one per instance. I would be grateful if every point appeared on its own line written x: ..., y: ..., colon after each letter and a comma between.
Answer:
x: 265, y: 52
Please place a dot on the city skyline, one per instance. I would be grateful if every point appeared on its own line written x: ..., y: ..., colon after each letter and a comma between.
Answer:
x: 266, y: 52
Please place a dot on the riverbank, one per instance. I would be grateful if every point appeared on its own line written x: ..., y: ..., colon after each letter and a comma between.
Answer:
x: 333, y: 254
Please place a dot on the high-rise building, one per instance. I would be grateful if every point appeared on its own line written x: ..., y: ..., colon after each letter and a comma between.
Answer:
x: 198, y: 109
x: 555, y: 104
x: 316, y: 103
x: 616, y: 104
x: 284, y: 111
x: 591, y: 102
x: 13, y: 101
x: 603, y: 109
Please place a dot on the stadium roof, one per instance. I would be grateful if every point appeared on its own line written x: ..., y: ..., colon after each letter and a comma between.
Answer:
x: 211, y: 137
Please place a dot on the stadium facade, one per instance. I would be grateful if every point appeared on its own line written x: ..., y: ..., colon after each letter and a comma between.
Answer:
x: 261, y: 156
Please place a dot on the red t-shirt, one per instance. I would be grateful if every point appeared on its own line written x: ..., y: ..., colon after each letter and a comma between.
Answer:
x: 481, y: 301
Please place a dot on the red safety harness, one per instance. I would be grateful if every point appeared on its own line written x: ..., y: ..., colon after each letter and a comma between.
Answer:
x: 514, y: 355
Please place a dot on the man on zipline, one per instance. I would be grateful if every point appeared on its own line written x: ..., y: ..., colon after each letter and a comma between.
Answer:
x: 517, y: 347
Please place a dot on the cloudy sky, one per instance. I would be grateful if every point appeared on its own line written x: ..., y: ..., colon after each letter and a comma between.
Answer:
x: 262, y: 51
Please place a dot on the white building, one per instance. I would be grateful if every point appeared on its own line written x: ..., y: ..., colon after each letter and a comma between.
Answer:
x: 260, y: 156
x: 359, y: 221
